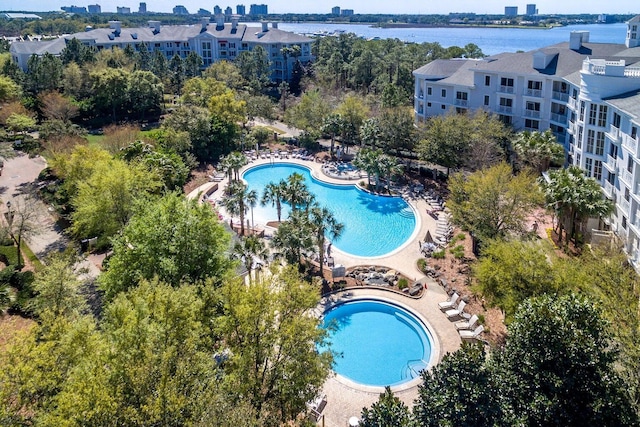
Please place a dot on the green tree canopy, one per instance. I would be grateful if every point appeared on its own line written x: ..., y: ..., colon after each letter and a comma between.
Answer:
x: 493, y: 203
x: 538, y: 149
x: 176, y: 240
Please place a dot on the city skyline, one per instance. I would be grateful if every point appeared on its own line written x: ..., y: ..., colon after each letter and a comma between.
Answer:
x: 493, y: 7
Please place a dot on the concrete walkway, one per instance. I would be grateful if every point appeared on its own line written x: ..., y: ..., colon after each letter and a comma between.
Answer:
x: 17, y: 182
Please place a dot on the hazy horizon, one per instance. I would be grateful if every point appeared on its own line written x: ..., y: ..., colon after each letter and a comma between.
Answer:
x: 491, y: 7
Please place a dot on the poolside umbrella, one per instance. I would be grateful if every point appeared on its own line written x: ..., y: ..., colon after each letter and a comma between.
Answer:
x: 428, y: 238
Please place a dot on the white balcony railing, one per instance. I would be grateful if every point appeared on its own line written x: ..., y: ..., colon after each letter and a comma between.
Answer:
x: 533, y: 92
x: 505, y: 110
x: 560, y: 96
x: 461, y: 102
x: 626, y: 176
x: 559, y: 118
x: 611, y: 162
x: 608, y: 189
x: 532, y: 113
x: 506, y: 89
x: 624, y: 205
x: 629, y: 143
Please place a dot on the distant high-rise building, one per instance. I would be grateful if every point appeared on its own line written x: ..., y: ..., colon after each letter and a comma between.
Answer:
x: 346, y: 12
x: 511, y: 11
x: 142, y: 8
x: 335, y: 10
x: 94, y: 8
x: 228, y: 11
x: 180, y: 10
x: 74, y: 9
x: 204, y: 12
x: 531, y: 10
x: 123, y: 10
x: 258, y: 9
x: 241, y: 10
x: 217, y: 10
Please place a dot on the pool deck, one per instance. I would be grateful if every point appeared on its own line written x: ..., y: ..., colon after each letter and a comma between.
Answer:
x: 345, y: 401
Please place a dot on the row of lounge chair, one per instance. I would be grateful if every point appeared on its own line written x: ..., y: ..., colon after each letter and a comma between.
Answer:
x: 468, y: 328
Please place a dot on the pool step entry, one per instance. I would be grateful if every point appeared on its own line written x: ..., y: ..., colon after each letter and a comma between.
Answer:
x: 413, y: 368
x: 407, y: 213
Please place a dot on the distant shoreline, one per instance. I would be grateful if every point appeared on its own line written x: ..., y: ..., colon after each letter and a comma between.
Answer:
x: 417, y: 25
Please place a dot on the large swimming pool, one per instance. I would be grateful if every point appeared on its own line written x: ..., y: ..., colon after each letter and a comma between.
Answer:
x: 377, y: 343
x: 373, y: 225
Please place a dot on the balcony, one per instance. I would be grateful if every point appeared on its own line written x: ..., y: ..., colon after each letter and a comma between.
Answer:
x: 560, y: 137
x: 533, y: 92
x: 630, y: 143
x: 560, y: 96
x: 559, y: 118
x: 506, y: 89
x: 611, y: 163
x: 626, y: 176
x: 614, y: 134
x: 532, y: 113
x: 609, y: 190
x: 505, y: 110
x: 461, y: 102
x: 625, y: 205
x: 573, y: 103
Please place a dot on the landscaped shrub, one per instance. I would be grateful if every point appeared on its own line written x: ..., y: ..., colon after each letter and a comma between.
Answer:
x: 438, y: 254
x: 458, y: 251
x: 422, y: 264
x: 403, y: 283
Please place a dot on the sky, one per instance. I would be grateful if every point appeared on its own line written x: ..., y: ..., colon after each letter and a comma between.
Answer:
x: 359, y: 6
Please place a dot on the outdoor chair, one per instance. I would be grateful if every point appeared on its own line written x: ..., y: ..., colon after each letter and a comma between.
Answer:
x: 450, y: 303
x: 467, y: 324
x: 456, y: 312
x: 471, y: 335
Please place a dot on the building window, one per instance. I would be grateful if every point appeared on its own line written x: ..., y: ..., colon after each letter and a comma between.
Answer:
x: 578, y: 158
x: 630, y: 164
x: 627, y: 194
x: 579, y: 139
x: 593, y: 113
x: 588, y: 165
x: 599, y: 143
x: 505, y: 81
x: 428, y: 104
x: 616, y: 120
x: 486, y: 100
x: 428, y: 91
x: 602, y: 116
x: 624, y: 222
x: 443, y: 107
x: 597, y: 170
x: 532, y: 124
x: 461, y: 96
x: 581, y: 111
x: 443, y: 93
x: 591, y: 137
x: 574, y: 94
x: 533, y: 106
x: 206, y: 53
x: 634, y: 132
x: 487, y: 80
x: 507, y: 120
x: 506, y: 102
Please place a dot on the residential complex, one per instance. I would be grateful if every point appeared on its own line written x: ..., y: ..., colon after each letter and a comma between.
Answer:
x: 212, y: 41
x: 588, y: 94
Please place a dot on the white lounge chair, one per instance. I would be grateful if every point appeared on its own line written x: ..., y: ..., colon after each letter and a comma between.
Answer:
x: 457, y: 312
x: 467, y: 324
x: 471, y: 335
x: 450, y: 303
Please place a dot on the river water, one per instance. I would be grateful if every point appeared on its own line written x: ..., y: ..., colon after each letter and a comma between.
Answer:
x: 490, y: 40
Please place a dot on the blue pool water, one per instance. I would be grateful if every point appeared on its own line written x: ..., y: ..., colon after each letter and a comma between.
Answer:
x: 377, y: 343
x: 373, y: 225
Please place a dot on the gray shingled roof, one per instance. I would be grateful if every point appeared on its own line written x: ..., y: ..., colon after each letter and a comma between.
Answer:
x: 440, y: 68
x: 167, y: 33
x: 628, y: 102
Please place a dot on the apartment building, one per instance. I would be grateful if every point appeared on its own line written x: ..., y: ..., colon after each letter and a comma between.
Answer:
x: 588, y: 94
x: 212, y: 41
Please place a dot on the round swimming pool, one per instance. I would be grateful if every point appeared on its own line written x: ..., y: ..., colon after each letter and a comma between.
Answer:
x: 377, y: 343
x: 373, y: 225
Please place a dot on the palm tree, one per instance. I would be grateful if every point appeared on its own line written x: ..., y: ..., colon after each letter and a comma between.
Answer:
x: 332, y: 125
x: 538, y: 149
x: 251, y: 200
x: 574, y: 197
x: 293, y: 238
x: 237, y: 161
x: 297, y: 193
x: 389, y: 167
x: 368, y: 160
x: 275, y: 194
x: 323, y: 224
x: 248, y: 249
x: 236, y: 201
